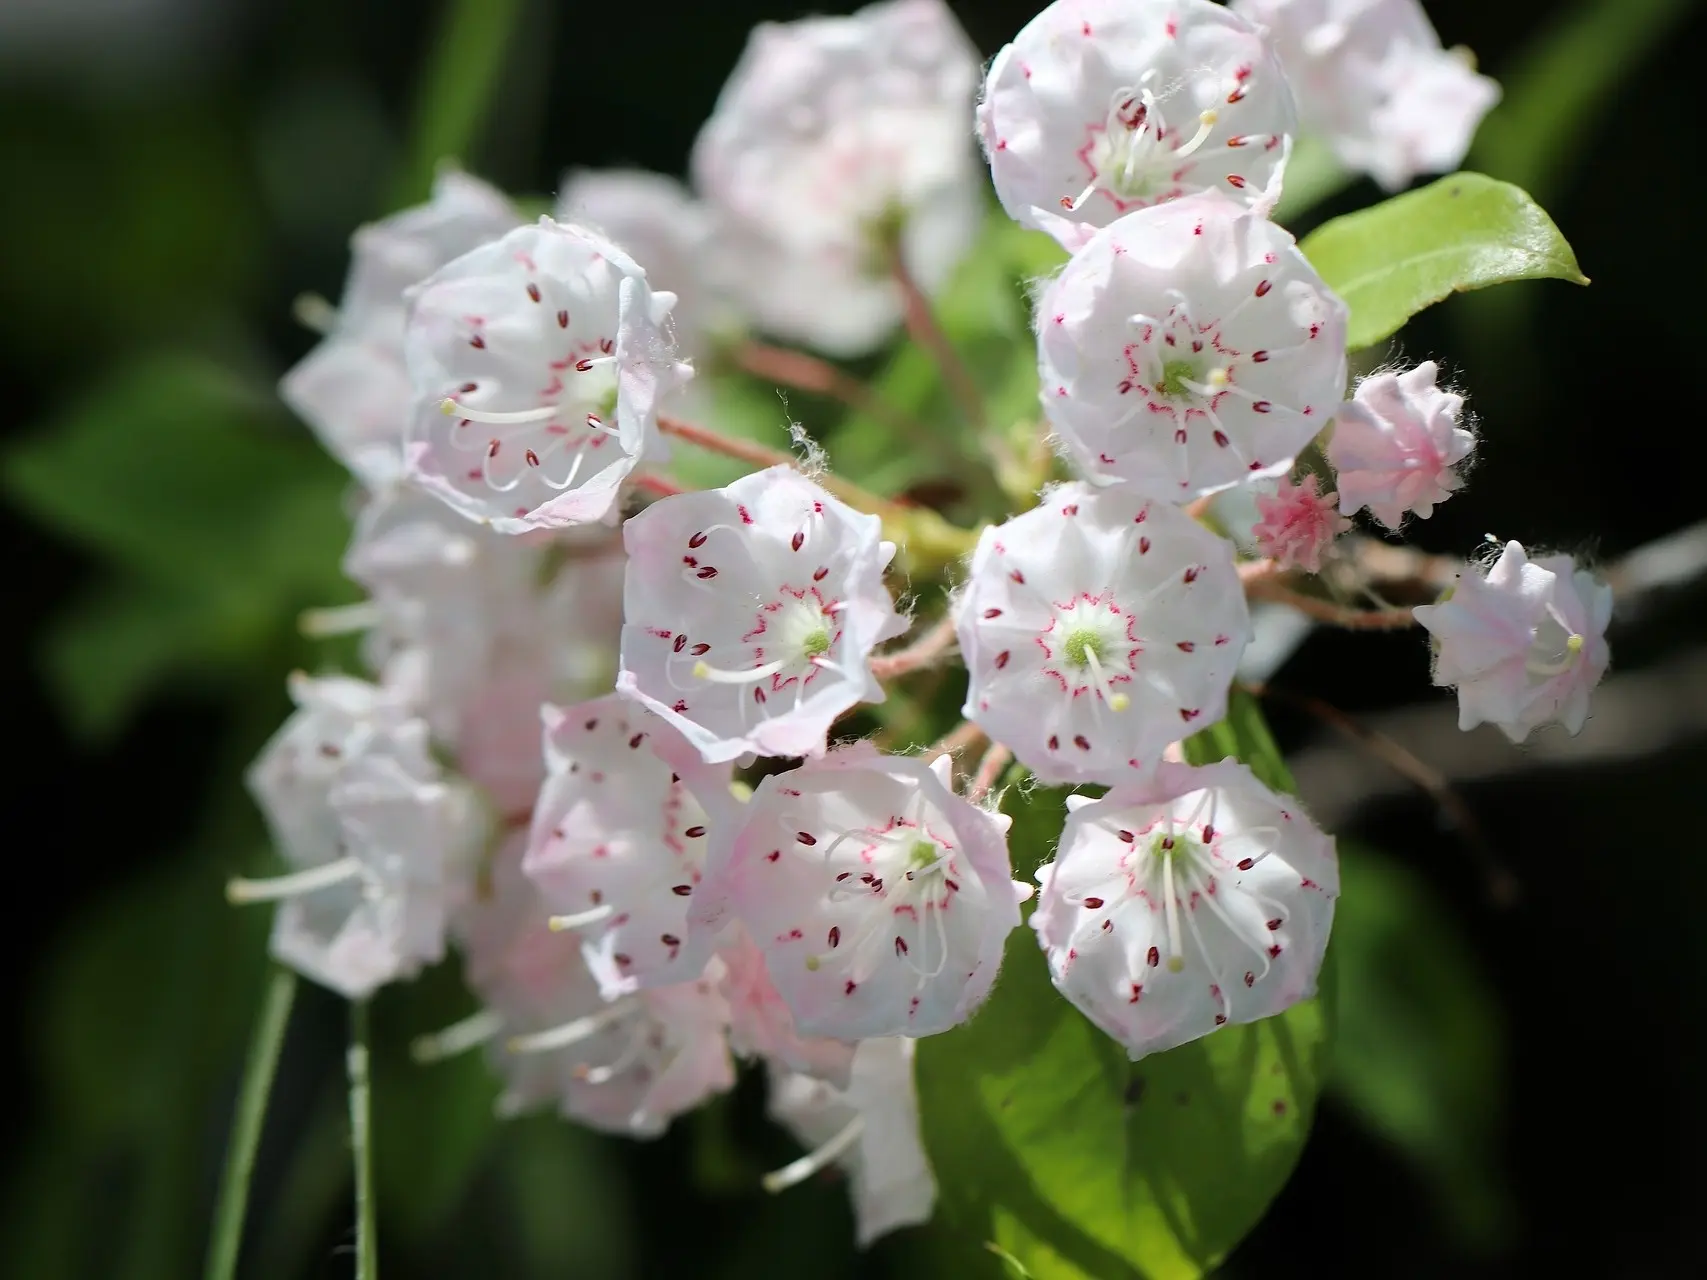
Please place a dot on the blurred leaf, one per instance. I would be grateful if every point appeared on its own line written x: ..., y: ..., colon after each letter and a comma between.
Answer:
x: 1418, y: 1055
x: 1463, y: 232
x: 1562, y: 84
x: 422, y: 1169
x: 1076, y: 1162
x: 181, y: 474
x: 986, y: 312
x: 572, y: 1216
x: 456, y: 89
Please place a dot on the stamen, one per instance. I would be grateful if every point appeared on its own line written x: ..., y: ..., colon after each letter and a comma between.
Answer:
x: 798, y: 1171
x: 452, y: 409
x: 1105, y: 686
x: 572, y: 1032
x: 314, y: 313
x: 622, y: 1062
x: 1205, y: 124
x: 472, y: 1032
x: 295, y: 885
x: 343, y: 620
x: 581, y: 919
x: 717, y: 675
x: 1176, y: 958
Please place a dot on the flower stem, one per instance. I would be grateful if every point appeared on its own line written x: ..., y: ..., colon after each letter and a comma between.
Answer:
x: 922, y: 325
x: 963, y: 737
x: 1335, y: 615
x: 928, y: 539
x: 808, y: 373
x: 658, y: 486
x: 924, y: 652
x: 258, y: 1073
x: 361, y: 1143
x: 996, y: 759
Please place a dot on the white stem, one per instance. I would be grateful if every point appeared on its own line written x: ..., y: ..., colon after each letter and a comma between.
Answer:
x: 569, y: 1033
x: 472, y: 1032
x: 799, y: 1170
x: 239, y: 891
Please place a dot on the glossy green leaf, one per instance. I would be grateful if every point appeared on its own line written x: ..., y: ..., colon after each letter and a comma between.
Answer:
x: 1463, y: 232
x: 1418, y: 1053
x: 1074, y: 1162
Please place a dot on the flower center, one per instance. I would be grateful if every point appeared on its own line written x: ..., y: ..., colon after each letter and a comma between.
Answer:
x: 1093, y: 642
x: 1178, y: 377
x: 1135, y: 155
x: 1555, y: 649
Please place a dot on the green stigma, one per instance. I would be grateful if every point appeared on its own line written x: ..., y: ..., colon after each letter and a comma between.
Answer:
x: 815, y: 643
x: 1175, y: 374
x: 1081, y: 645
x: 922, y: 854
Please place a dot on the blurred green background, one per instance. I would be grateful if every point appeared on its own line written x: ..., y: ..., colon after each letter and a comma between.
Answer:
x: 1517, y: 1084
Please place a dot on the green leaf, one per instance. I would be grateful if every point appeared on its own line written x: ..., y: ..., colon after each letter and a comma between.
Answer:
x: 1074, y: 1162
x: 1243, y: 734
x: 1463, y: 232
x: 1418, y: 1055
x: 986, y: 312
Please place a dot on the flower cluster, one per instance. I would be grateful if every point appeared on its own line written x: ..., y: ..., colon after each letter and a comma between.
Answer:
x: 636, y: 900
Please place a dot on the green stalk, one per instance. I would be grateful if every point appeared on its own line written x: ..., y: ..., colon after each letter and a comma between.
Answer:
x: 361, y: 1144
x: 258, y: 1074
x: 455, y: 92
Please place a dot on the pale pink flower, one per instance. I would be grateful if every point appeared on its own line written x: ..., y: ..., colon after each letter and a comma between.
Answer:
x: 1298, y: 525
x: 1524, y: 642
x: 618, y: 841
x: 760, y: 1025
x: 879, y: 898
x: 537, y: 363
x: 352, y: 389
x: 1100, y: 107
x: 1374, y: 83
x: 1397, y: 445
x: 1184, y: 902
x: 752, y: 612
x: 1187, y: 348
x: 833, y: 137
x: 870, y: 1129
x: 1097, y: 628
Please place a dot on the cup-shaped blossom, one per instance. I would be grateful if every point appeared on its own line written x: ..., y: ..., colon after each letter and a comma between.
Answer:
x: 537, y: 362
x: 1397, y: 445
x: 1100, y: 107
x: 1186, y: 901
x: 837, y: 142
x: 879, y: 898
x: 1374, y: 83
x: 627, y: 1066
x: 760, y: 1024
x: 1297, y: 524
x: 1097, y: 628
x: 751, y: 613
x: 1188, y: 347
x: 870, y: 1129
x: 617, y: 847
x: 1524, y: 642
x: 353, y: 389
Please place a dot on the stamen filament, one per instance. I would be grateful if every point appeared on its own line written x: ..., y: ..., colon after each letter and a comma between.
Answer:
x: 454, y: 409
x: 717, y: 675
x: 581, y: 919
x: 572, y: 1032
x: 295, y: 885
x: 797, y: 1171
x: 472, y: 1032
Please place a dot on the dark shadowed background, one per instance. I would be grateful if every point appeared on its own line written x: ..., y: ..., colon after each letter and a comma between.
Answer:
x: 178, y: 171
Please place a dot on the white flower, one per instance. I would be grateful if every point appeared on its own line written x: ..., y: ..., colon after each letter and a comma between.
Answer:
x: 1099, y: 627
x: 1397, y: 444
x: 660, y: 224
x: 1100, y: 107
x: 880, y: 899
x: 627, y: 1067
x: 1188, y: 347
x: 1373, y: 82
x: 619, y: 837
x: 537, y: 363
x: 352, y: 389
x: 1525, y: 643
x: 870, y: 1129
x: 831, y: 137
x: 1181, y: 903
x: 751, y: 613
x: 381, y: 847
